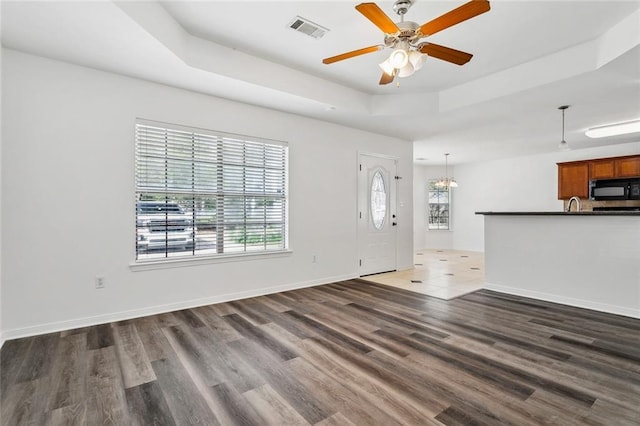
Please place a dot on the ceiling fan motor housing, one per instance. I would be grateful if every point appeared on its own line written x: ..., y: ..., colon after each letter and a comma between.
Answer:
x: 407, y: 32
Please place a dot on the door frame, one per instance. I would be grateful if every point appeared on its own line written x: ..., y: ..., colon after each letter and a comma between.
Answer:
x: 394, y: 177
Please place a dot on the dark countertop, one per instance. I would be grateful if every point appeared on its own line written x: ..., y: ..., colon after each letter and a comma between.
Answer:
x: 588, y: 213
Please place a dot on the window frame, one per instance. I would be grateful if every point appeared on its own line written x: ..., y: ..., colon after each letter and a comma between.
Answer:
x: 216, y: 141
x: 432, y: 187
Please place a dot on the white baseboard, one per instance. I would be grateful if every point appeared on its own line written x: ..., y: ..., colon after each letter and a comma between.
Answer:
x: 564, y: 300
x: 160, y: 309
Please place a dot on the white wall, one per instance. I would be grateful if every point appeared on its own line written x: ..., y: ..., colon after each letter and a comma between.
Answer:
x: 68, y: 197
x: 424, y: 238
x: 1, y: 223
x: 515, y: 184
x: 553, y: 258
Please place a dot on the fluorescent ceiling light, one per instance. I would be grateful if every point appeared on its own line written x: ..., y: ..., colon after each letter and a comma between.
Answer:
x: 614, y: 129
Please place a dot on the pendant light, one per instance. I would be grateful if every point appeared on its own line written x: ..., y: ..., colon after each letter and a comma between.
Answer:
x: 446, y: 182
x: 564, y: 146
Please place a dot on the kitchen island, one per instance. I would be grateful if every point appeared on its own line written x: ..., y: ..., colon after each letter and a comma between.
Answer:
x: 585, y: 259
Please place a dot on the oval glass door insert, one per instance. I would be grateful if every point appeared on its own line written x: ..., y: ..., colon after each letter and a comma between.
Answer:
x: 378, y: 200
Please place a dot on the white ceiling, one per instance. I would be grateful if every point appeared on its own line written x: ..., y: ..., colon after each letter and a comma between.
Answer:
x: 529, y: 58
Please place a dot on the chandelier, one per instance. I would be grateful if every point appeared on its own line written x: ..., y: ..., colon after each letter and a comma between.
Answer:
x: 446, y: 181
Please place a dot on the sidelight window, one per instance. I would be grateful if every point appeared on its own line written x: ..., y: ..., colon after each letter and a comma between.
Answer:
x: 206, y: 193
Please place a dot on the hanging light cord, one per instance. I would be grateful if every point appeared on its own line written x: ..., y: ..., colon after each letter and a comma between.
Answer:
x: 563, y: 108
x: 446, y: 168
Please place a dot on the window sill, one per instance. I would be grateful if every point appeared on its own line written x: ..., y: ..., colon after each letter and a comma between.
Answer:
x: 149, y: 265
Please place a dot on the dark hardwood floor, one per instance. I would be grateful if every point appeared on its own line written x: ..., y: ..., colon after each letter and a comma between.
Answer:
x: 339, y: 354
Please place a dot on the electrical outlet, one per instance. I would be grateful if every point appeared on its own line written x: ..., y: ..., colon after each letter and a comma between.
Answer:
x: 99, y: 282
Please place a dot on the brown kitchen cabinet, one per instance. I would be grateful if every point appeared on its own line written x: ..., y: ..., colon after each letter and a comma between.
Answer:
x: 627, y: 166
x: 574, y: 176
x: 602, y: 169
x: 573, y: 180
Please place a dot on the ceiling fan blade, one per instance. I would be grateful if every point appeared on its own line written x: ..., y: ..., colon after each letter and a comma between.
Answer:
x: 372, y: 12
x: 386, y: 78
x: 446, y: 53
x: 460, y: 14
x: 351, y: 54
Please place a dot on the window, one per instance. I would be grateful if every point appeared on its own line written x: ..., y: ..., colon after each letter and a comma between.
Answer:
x: 378, y: 200
x: 204, y: 193
x: 439, y: 204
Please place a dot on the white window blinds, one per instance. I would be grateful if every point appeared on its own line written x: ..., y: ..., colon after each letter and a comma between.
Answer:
x: 202, y: 193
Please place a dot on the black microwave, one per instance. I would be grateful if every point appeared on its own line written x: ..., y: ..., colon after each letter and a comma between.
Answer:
x: 615, y: 189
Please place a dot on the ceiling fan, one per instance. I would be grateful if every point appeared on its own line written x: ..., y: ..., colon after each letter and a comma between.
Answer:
x: 404, y: 38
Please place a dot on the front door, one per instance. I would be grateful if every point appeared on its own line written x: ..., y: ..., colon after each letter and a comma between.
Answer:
x: 377, y: 222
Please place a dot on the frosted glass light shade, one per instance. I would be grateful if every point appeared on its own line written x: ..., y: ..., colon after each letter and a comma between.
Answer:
x: 417, y: 59
x: 563, y: 146
x: 406, y: 71
x: 399, y: 58
x: 386, y: 67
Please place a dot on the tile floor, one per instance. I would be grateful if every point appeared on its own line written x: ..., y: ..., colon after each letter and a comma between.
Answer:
x: 445, y: 274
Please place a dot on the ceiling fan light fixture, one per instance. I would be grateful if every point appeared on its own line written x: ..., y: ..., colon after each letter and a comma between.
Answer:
x: 417, y: 59
x: 406, y: 71
x: 386, y: 67
x: 399, y: 58
x: 403, y: 37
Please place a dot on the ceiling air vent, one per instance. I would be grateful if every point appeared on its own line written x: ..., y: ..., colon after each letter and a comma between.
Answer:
x: 307, y: 27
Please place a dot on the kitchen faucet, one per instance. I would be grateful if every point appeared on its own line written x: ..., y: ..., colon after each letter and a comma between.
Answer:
x: 571, y: 200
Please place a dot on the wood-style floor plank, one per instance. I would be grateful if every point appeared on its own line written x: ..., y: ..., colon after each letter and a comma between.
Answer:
x: 186, y: 402
x: 68, y: 379
x: 11, y: 358
x: 25, y: 403
x: 375, y: 388
x: 282, y: 381
x: 134, y: 362
x: 334, y: 394
x: 346, y: 353
x: 153, y: 340
x: 74, y: 414
x: 233, y: 408
x: 37, y: 358
x: 148, y: 406
x: 273, y: 408
x: 100, y: 337
x: 106, y: 397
